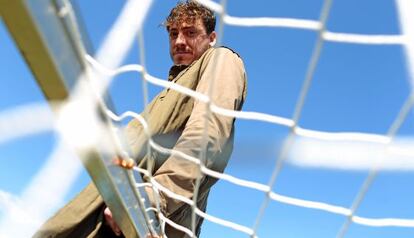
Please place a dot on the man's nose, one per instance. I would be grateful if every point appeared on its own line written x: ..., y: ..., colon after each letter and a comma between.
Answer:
x: 180, y: 39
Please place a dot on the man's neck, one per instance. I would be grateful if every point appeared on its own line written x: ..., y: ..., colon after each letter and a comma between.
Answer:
x: 175, y: 70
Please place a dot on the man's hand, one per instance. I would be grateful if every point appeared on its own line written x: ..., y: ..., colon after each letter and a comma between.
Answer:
x: 109, y: 220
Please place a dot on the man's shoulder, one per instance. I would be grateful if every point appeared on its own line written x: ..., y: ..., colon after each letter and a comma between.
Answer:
x: 225, y: 51
x: 221, y: 53
x: 217, y: 55
x: 228, y: 49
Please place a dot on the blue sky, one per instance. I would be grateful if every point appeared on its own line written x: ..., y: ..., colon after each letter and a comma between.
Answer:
x: 356, y: 88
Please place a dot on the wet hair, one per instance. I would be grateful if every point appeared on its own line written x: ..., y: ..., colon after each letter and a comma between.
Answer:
x: 190, y: 11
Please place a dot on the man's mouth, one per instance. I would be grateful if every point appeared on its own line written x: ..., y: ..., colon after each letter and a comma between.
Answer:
x: 182, y: 53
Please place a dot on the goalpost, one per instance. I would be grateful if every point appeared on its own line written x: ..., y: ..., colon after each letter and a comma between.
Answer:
x: 67, y: 84
x: 47, y: 30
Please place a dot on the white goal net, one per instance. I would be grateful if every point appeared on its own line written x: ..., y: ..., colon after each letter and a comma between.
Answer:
x: 325, y: 144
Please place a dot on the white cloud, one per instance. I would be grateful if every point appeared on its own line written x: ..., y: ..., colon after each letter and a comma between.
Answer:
x: 348, y: 155
x: 14, y: 124
x: 6, y: 200
x: 43, y: 196
x: 17, y: 213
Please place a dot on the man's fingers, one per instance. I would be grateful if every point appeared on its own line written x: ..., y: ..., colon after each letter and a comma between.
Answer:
x: 111, y: 222
x: 126, y: 163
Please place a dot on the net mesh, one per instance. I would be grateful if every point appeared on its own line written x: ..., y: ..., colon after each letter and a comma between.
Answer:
x: 106, y: 73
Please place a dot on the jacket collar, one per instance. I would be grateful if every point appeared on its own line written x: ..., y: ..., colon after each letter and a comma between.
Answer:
x: 175, y: 70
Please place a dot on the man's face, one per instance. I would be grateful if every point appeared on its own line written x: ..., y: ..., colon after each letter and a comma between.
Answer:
x: 188, y: 41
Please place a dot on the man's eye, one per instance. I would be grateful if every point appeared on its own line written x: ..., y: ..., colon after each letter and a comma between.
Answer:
x: 191, y: 33
x: 173, y: 34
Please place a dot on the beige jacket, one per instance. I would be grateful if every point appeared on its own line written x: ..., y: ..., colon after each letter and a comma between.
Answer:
x: 176, y: 121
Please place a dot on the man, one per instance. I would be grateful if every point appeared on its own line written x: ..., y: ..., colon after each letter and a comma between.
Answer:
x: 217, y: 72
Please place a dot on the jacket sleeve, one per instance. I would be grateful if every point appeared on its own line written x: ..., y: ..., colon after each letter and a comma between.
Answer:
x: 224, y: 72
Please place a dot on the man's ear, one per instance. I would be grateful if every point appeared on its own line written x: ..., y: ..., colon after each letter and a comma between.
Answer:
x: 213, y: 38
